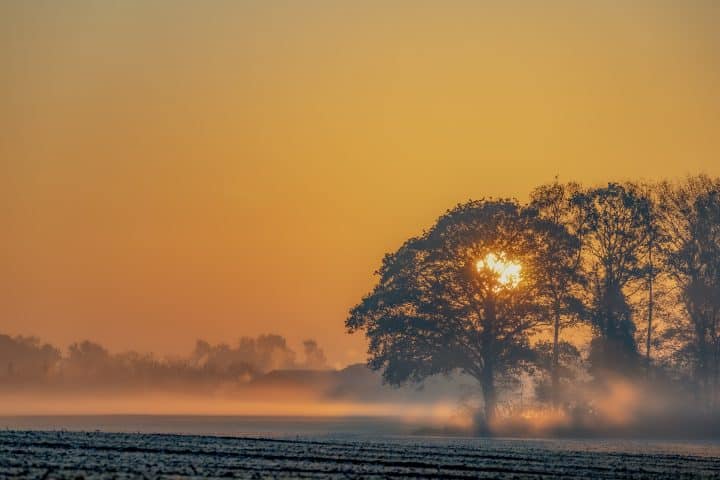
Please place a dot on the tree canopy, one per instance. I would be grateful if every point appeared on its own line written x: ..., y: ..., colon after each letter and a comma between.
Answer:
x: 436, y: 308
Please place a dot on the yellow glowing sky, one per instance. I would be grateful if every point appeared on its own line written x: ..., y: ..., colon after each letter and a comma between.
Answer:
x: 174, y: 170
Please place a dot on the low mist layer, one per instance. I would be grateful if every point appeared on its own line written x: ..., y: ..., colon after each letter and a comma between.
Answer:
x: 253, y: 376
x: 264, y: 376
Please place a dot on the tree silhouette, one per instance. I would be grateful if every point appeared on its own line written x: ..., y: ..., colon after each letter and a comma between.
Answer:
x: 691, y: 220
x: 560, y: 278
x: 615, y: 220
x: 435, y: 310
x: 652, y: 263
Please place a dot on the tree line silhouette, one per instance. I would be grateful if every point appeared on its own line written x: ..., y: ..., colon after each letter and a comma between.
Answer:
x: 28, y: 364
x: 637, y: 265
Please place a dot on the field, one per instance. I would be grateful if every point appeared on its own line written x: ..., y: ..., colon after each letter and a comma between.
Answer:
x: 64, y: 454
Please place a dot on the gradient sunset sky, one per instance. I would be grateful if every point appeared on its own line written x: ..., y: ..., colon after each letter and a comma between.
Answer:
x: 173, y: 170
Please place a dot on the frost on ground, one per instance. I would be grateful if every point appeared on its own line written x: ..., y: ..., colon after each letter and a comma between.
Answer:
x: 36, y: 454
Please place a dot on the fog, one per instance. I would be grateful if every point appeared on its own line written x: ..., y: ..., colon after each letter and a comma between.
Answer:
x: 264, y: 376
x: 251, y: 376
x: 614, y: 408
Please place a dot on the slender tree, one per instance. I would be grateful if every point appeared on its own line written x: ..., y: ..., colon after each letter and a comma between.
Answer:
x: 560, y: 277
x: 651, y: 256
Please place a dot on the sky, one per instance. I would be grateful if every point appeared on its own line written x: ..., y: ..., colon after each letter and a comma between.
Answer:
x: 174, y: 170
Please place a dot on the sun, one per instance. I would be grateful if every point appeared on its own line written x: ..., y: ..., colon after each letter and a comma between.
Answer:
x: 508, y: 272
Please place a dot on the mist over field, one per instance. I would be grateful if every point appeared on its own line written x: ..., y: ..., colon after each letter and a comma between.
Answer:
x: 254, y: 376
x: 264, y: 377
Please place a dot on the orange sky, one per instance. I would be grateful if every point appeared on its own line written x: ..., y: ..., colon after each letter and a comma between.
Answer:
x: 175, y: 170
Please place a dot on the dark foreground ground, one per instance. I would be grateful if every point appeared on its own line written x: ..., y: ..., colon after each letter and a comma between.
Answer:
x: 42, y: 454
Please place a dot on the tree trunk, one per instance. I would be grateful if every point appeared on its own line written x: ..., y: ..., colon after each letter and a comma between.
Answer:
x: 650, y: 315
x: 701, y: 375
x: 487, y: 375
x: 555, y: 374
x: 489, y: 395
x: 716, y: 360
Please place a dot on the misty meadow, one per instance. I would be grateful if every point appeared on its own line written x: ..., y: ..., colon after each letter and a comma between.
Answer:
x: 584, y: 311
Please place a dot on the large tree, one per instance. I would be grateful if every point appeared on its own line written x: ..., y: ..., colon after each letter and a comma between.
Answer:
x: 453, y: 299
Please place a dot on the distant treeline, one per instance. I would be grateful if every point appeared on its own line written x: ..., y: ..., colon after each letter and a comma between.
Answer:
x: 618, y: 282
x: 25, y: 362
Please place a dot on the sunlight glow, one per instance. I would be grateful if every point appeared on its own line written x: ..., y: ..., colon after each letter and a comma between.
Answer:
x: 508, y: 272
